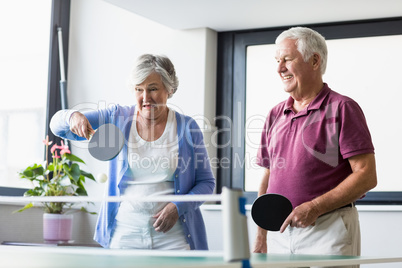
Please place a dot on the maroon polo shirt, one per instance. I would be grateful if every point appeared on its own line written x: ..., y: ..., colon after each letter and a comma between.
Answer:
x: 307, y: 153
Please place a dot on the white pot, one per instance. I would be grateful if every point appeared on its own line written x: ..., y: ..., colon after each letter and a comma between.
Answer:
x: 57, y: 227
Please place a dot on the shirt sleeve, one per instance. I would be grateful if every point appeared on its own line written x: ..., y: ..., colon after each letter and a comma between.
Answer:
x: 60, y: 125
x: 263, y: 159
x: 262, y: 153
x: 60, y: 122
x: 354, y: 134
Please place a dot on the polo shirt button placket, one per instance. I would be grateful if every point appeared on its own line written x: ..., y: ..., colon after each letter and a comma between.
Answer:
x: 292, y: 127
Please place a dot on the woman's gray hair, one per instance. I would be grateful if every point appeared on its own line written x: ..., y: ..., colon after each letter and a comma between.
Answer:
x: 147, y: 64
x: 308, y: 42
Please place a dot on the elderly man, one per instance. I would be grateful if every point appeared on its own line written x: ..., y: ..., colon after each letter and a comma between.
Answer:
x: 322, y: 141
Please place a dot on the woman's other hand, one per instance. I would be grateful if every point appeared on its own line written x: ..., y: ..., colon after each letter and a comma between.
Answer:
x: 166, y: 218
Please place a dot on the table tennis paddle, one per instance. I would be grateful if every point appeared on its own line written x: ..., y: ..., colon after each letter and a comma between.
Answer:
x: 106, y: 143
x: 269, y: 211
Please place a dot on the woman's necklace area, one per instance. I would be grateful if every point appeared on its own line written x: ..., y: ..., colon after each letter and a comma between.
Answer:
x: 151, y: 129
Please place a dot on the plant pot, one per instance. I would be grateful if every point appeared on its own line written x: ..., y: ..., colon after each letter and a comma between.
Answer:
x: 57, y: 228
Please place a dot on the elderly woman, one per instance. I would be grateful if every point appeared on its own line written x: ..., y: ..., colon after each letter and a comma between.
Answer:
x: 164, y: 153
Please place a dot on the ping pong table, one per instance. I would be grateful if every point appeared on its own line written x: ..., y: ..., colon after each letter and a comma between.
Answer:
x: 57, y: 257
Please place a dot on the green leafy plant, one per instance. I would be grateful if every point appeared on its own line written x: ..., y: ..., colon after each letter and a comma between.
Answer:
x: 61, y: 177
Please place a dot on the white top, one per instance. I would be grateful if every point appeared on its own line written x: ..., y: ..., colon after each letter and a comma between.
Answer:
x: 152, y: 165
x: 154, y: 161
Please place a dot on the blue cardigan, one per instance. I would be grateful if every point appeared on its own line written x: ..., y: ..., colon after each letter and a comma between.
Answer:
x: 192, y: 176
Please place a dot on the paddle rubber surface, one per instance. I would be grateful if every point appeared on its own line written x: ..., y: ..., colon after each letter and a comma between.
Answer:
x: 269, y: 211
x: 106, y: 143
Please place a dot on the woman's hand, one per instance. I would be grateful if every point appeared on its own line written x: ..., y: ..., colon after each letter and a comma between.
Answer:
x: 80, y: 125
x: 166, y: 218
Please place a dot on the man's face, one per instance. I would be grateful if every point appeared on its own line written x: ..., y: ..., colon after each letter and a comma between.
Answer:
x: 295, y: 73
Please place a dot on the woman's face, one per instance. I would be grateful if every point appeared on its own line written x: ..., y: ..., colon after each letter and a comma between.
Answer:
x: 151, y: 96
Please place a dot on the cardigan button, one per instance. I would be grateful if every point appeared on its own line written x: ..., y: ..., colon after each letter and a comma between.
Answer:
x: 184, y: 220
x: 178, y: 191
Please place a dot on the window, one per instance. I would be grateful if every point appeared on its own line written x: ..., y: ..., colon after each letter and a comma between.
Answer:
x: 28, y: 67
x: 24, y: 54
x: 263, y: 92
x: 254, y: 89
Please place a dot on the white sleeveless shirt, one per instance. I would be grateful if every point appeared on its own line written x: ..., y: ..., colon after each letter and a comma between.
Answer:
x: 152, y: 165
x: 154, y: 161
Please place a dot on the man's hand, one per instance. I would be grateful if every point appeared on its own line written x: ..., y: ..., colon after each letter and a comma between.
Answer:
x: 260, y: 243
x: 302, y: 216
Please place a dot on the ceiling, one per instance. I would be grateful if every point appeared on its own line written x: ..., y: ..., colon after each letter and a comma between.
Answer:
x: 229, y: 15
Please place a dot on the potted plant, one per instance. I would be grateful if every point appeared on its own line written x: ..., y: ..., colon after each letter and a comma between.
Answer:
x: 60, y: 177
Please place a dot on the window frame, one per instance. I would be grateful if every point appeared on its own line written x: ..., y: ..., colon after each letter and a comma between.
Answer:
x: 231, y: 89
x: 60, y: 17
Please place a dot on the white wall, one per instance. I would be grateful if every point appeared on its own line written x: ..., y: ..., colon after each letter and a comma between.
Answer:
x: 27, y: 226
x: 104, y: 42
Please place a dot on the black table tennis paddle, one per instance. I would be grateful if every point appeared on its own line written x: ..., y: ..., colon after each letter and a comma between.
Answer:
x: 106, y: 142
x: 269, y: 211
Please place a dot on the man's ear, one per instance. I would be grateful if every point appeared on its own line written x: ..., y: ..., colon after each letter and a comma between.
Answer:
x: 316, y: 61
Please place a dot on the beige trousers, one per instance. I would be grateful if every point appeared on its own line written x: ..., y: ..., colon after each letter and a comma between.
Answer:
x: 335, y: 233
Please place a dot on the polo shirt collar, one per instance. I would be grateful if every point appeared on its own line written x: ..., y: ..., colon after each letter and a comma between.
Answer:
x: 315, y: 104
